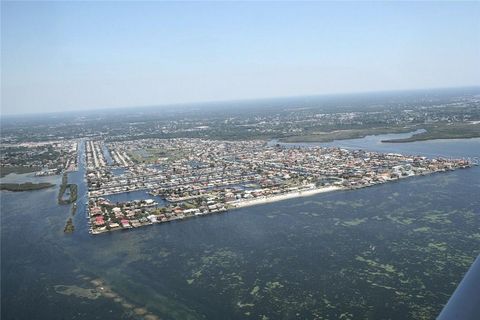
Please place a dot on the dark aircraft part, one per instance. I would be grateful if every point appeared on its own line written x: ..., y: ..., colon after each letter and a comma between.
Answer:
x: 464, y: 304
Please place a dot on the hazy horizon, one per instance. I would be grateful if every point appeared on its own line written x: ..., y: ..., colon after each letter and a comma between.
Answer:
x: 240, y: 102
x: 59, y: 56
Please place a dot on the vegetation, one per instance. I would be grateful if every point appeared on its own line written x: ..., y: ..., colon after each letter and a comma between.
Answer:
x: 301, y: 119
x: 69, y: 227
x: 346, y: 134
x: 27, y: 186
x: 445, y: 131
x: 63, y: 188
x: 5, y: 170
x: 436, y: 131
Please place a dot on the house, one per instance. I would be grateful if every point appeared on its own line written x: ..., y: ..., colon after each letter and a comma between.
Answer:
x: 136, y: 223
x: 229, y: 196
x: 99, y: 221
x: 152, y: 218
x: 125, y: 223
x: 95, y: 211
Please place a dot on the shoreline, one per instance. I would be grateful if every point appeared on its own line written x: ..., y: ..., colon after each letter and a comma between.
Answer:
x: 408, y: 140
x: 240, y: 204
x: 261, y: 200
x: 285, y: 196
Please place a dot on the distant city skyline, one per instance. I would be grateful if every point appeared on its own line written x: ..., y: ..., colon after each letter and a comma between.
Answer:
x: 65, y: 56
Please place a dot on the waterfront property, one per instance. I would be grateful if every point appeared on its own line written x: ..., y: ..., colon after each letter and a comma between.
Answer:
x: 196, y: 177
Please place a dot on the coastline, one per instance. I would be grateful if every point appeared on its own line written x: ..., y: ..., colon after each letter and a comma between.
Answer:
x: 285, y: 196
x: 241, y: 204
x: 423, y: 139
x: 430, y: 132
x: 238, y: 204
x: 345, y: 134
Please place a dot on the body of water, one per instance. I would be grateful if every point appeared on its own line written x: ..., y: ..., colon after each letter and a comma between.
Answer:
x: 392, y: 251
x: 118, y: 171
x: 106, y: 155
x: 135, y: 195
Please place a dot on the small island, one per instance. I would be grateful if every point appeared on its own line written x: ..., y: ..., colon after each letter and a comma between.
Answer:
x: 69, y: 227
x: 69, y: 188
x: 74, y: 208
x: 27, y: 186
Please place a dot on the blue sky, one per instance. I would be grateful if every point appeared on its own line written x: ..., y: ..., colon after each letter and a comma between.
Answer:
x: 85, y: 55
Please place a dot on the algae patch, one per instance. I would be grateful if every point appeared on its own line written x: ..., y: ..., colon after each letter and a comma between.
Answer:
x: 78, y: 292
x: 354, y: 222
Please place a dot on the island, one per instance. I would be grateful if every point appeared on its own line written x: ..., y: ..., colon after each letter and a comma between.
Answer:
x: 67, y: 188
x: 26, y: 186
x: 69, y: 227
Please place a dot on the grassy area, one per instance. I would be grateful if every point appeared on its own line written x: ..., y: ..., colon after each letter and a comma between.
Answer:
x: 27, y: 186
x: 151, y: 155
x: 346, y: 134
x: 433, y: 131
x: 444, y: 131
x: 17, y: 169
x: 69, y: 227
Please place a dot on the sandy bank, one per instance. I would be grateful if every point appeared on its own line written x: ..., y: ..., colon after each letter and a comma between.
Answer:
x: 290, y: 195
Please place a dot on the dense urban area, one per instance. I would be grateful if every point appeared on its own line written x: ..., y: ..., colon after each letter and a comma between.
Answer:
x: 195, y: 177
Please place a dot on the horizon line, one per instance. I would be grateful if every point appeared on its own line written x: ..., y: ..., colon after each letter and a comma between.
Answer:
x: 192, y: 103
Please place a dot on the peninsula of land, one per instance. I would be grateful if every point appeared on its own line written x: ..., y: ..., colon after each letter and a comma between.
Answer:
x: 429, y: 132
x: 457, y: 131
x: 183, y: 178
x: 6, y: 170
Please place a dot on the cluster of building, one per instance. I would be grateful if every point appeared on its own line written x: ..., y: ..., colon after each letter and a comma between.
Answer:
x: 48, y: 157
x: 98, y: 155
x: 105, y: 215
x: 197, y: 177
